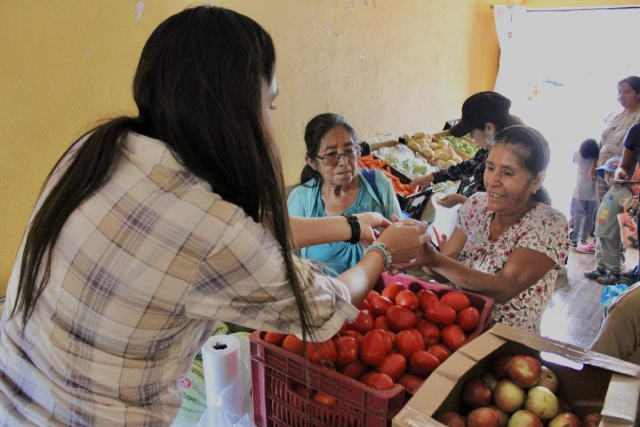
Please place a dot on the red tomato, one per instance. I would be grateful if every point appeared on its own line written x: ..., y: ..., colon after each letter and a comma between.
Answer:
x: 380, y: 305
x: 441, y: 351
x: 364, y: 322
x: 439, y: 313
x: 355, y: 334
x: 456, y: 300
x: 365, y: 305
x: 410, y: 382
x: 381, y: 323
x: 302, y: 390
x: 468, y: 319
x: 293, y: 344
x: 342, y: 328
x: 274, y: 338
x: 453, y: 336
x: 424, y: 296
x: 371, y: 294
x: 408, y: 342
x: 393, y: 338
x: 354, y: 369
x: 388, y: 341
x: 348, y: 349
x: 423, y: 363
x: 394, y: 365
x: 373, y: 347
x: 407, y: 299
x: 325, y: 399
x: 322, y: 352
x: 379, y: 381
x: 400, y: 318
x: 429, y: 331
x: 393, y: 289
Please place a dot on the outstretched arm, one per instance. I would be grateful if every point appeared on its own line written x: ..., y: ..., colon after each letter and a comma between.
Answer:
x: 317, y: 231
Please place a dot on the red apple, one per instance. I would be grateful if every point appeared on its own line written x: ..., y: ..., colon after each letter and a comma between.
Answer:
x: 476, y: 393
x: 490, y: 380
x: 503, y: 417
x: 499, y: 366
x: 524, y: 418
x: 592, y: 420
x: 566, y: 419
x: 542, y: 402
x: 451, y: 419
x: 508, y: 396
x: 524, y: 370
x: 548, y: 379
x: 483, y: 417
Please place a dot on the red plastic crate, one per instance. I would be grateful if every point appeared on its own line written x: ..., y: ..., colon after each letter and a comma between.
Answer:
x: 483, y: 303
x: 276, y: 371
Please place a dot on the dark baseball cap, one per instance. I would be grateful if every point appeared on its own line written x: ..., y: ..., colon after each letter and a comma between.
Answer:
x: 479, y: 109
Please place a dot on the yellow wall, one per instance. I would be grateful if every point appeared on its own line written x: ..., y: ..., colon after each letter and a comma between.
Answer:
x: 390, y: 67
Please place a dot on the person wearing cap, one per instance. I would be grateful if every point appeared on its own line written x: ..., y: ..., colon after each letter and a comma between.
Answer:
x: 608, y: 242
x: 483, y: 115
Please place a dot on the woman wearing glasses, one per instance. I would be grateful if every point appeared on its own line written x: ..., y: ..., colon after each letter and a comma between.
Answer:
x: 333, y: 185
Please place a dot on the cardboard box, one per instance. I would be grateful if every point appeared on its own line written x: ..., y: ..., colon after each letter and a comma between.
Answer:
x: 589, y: 382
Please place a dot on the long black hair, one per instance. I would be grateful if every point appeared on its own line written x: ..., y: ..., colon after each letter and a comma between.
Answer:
x: 314, y: 132
x: 198, y: 88
x: 532, y: 149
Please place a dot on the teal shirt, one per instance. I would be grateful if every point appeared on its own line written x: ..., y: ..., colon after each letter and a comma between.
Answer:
x: 306, y: 201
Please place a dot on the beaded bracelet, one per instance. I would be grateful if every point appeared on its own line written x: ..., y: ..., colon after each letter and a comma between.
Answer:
x: 382, y: 249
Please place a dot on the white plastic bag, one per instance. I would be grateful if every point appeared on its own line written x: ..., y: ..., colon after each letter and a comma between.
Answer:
x: 236, y: 405
x: 445, y: 218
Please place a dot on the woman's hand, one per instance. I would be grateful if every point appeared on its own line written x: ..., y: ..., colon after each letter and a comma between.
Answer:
x: 405, y: 240
x: 427, y: 256
x: 621, y: 174
x: 441, y: 239
x: 422, y: 182
x: 369, y: 223
x: 451, y: 200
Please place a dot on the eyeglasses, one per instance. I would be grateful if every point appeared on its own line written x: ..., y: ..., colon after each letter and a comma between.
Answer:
x: 332, y: 159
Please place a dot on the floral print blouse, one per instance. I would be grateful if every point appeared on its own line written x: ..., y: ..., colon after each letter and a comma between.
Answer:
x: 543, y: 229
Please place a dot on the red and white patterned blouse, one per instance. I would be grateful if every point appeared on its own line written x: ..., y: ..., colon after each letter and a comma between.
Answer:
x: 543, y: 229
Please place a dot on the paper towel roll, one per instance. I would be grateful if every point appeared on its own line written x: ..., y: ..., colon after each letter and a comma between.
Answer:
x: 221, y: 364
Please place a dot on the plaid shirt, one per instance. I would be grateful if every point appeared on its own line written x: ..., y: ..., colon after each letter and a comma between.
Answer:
x: 141, y: 273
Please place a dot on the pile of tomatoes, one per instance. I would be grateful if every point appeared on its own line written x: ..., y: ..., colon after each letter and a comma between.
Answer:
x: 399, y: 337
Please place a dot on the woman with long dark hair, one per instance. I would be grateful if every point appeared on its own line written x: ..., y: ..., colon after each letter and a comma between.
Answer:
x: 152, y: 228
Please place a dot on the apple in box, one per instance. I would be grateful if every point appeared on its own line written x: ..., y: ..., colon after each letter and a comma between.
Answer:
x: 592, y: 386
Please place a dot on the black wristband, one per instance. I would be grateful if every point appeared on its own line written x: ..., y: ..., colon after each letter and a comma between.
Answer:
x: 355, y: 229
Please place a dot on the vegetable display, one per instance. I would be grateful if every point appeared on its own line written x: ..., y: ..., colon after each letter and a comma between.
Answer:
x: 405, y: 161
x: 373, y: 163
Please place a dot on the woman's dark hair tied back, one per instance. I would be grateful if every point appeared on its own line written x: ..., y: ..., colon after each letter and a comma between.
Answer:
x: 633, y: 82
x: 314, y: 132
x: 533, y: 150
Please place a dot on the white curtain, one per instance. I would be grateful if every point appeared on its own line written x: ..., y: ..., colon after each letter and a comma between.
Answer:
x: 560, y: 69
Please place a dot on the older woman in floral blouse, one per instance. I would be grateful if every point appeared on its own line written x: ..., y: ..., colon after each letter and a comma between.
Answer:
x: 509, y: 242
